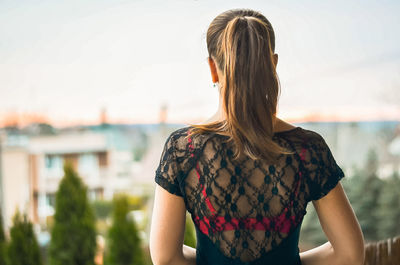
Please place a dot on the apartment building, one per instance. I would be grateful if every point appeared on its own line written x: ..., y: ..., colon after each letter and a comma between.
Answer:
x: 32, y: 168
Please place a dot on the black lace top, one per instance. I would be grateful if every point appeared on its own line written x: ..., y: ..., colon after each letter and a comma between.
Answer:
x: 246, y: 211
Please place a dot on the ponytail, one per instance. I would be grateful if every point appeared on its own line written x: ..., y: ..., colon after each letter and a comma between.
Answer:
x: 240, y: 43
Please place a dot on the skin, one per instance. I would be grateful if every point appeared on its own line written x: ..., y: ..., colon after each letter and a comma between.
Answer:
x: 345, y: 239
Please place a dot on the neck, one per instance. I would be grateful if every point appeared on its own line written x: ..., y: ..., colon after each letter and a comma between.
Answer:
x: 219, y: 115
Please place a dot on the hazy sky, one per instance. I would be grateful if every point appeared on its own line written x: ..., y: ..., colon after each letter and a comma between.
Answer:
x: 67, y: 59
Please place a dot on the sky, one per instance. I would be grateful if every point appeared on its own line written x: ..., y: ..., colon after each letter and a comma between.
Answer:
x: 66, y: 60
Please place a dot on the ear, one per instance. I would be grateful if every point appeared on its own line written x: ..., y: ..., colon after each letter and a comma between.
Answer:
x: 275, y: 59
x: 213, y: 69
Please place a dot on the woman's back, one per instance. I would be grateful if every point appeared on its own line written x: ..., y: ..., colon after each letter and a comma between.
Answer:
x: 247, y: 211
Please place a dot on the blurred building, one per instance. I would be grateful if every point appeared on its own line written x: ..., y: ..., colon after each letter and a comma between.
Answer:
x: 89, y: 155
x: 32, y: 168
x: 15, y: 182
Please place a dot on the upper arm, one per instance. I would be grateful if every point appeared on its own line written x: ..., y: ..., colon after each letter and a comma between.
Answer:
x: 340, y: 224
x: 335, y: 213
x: 167, y: 226
x: 169, y: 209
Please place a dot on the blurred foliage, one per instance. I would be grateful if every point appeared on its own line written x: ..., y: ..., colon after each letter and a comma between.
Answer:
x: 123, y: 242
x: 3, y: 243
x: 190, y: 233
x: 102, y: 209
x: 102, y: 227
x: 49, y: 221
x: 375, y: 201
x: 390, y: 207
x: 23, y: 248
x: 365, y: 196
x: 136, y: 202
x: 73, y: 235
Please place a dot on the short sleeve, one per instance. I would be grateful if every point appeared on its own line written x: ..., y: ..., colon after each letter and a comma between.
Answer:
x: 327, y: 172
x: 166, y: 174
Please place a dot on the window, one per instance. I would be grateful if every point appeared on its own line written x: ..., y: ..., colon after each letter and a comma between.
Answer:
x: 50, y: 200
x: 54, y: 164
x: 103, y: 159
x: 87, y: 163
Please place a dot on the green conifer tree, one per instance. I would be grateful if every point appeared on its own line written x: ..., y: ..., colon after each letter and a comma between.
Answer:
x: 2, y: 242
x: 73, y: 235
x: 366, y: 196
x: 389, y: 208
x: 124, y: 244
x: 23, y: 248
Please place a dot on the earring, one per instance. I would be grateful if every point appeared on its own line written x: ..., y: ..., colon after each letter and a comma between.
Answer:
x: 215, y: 84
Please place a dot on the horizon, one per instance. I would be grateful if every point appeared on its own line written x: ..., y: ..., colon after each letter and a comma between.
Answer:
x: 24, y: 120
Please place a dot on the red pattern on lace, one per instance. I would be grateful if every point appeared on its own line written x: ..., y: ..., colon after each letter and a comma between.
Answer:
x: 283, y: 223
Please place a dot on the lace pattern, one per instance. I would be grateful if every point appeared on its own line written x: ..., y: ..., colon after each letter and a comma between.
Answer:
x: 246, y: 207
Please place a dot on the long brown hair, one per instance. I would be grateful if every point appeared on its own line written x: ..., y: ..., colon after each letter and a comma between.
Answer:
x: 242, y: 43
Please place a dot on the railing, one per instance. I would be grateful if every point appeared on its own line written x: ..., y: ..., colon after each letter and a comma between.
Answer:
x: 384, y: 252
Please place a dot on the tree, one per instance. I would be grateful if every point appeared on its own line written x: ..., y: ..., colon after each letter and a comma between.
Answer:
x: 124, y: 244
x: 2, y: 242
x: 366, y: 196
x: 389, y: 208
x: 73, y: 235
x: 23, y: 248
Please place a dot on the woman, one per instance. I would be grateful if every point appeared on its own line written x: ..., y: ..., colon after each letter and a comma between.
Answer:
x: 245, y: 175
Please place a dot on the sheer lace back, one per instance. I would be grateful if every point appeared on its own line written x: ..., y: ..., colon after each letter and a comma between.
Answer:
x: 246, y: 207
